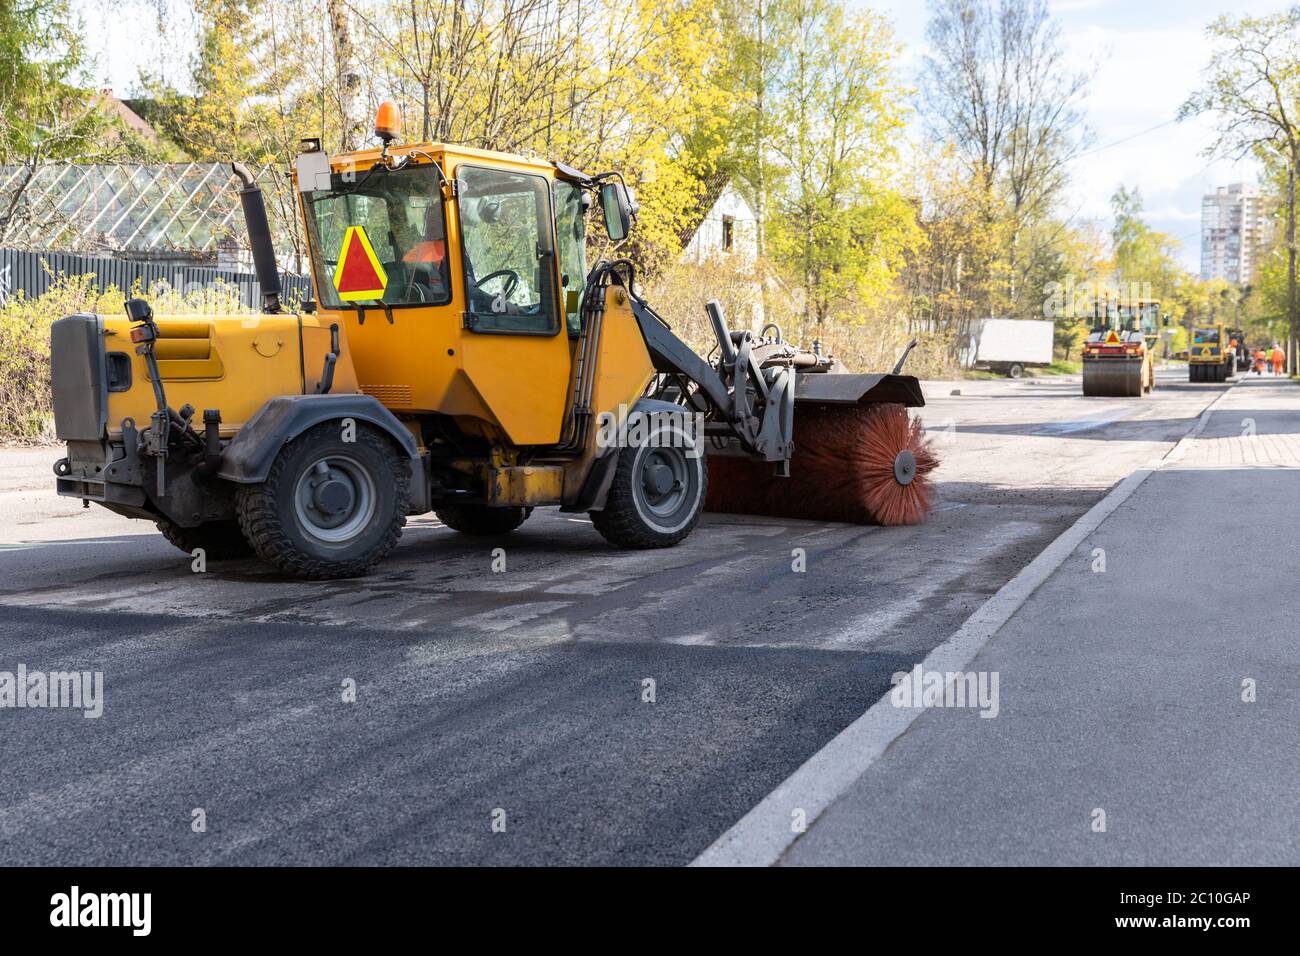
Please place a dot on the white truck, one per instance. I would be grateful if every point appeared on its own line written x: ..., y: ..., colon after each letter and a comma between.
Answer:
x: 1009, y: 346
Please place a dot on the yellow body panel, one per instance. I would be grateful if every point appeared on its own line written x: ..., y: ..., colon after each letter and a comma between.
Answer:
x: 526, y: 485
x: 623, y: 370
x: 623, y: 366
x: 230, y: 362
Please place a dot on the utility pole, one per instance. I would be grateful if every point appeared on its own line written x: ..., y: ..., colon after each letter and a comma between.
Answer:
x: 1293, y: 316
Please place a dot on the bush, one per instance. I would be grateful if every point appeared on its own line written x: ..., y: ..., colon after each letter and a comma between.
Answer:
x: 26, y: 414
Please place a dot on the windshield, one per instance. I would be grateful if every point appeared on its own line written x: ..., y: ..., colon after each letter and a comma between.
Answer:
x: 380, y: 237
x: 1205, y: 337
x: 1127, y: 317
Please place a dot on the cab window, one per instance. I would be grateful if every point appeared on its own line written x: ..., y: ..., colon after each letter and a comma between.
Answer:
x: 508, y: 251
x: 381, y: 239
x: 571, y: 229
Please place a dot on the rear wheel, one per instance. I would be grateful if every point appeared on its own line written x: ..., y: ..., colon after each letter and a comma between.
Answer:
x: 658, y: 491
x: 1016, y: 370
x: 220, y: 540
x: 328, y: 508
x: 480, y: 519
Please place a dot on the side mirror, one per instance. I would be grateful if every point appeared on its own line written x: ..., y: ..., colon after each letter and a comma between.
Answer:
x: 138, y: 310
x: 618, y: 210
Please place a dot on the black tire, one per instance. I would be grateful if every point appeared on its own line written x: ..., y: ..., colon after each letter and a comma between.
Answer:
x: 220, y: 540
x: 635, y: 516
x: 482, y: 520
x: 1016, y: 370
x: 293, y: 526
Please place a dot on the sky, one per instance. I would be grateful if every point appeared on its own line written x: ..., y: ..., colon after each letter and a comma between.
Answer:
x: 1146, y: 56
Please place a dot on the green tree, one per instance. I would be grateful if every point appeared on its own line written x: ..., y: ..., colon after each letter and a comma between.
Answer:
x: 1252, y: 85
x: 839, y: 225
x: 45, y: 115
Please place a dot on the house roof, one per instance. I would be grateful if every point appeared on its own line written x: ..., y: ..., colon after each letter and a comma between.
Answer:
x: 714, y: 187
x: 118, y: 109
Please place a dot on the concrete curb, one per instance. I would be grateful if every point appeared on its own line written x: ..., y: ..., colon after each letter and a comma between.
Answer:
x: 762, y: 835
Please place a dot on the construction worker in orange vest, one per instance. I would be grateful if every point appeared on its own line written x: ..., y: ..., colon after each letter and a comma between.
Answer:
x: 1279, y: 359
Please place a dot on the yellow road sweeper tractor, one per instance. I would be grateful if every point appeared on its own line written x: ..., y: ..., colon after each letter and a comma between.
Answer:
x: 1119, y: 353
x: 459, y: 358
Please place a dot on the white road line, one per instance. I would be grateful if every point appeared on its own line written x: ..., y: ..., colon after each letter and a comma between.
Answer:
x: 763, y: 835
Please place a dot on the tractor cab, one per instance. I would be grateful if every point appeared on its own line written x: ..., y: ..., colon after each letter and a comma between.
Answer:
x: 458, y: 276
x: 1120, y: 322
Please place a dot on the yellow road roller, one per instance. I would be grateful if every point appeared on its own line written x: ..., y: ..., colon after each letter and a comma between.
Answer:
x: 1119, y: 353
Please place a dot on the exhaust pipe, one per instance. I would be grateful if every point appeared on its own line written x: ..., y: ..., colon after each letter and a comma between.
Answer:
x: 259, y: 239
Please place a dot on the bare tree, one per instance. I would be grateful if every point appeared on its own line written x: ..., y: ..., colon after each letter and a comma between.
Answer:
x: 999, y: 89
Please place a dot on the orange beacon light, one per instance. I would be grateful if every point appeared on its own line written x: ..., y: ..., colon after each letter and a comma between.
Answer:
x: 388, y: 122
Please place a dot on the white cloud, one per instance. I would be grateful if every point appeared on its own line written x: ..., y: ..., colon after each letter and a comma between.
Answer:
x: 1145, y: 58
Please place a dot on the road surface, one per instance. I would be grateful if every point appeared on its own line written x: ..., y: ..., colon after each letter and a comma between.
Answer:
x: 518, y: 698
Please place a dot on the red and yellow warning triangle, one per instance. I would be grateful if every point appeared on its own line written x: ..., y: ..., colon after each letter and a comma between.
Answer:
x: 359, y: 275
x: 1112, y: 338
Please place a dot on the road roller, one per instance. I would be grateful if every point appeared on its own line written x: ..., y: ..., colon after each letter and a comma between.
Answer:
x: 1119, y: 353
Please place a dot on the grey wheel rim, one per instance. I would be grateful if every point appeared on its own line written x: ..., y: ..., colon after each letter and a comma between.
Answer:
x: 666, y: 485
x: 334, y: 499
x: 904, y: 467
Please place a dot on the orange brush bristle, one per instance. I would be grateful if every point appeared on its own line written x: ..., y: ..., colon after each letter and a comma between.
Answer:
x: 843, y: 469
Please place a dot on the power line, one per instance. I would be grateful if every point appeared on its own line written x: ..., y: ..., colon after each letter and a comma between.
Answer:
x: 1120, y: 142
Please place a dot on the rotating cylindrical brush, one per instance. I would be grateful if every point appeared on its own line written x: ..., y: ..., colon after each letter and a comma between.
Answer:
x: 864, y: 464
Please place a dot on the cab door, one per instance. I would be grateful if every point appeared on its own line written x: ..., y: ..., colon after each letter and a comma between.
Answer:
x: 513, y: 350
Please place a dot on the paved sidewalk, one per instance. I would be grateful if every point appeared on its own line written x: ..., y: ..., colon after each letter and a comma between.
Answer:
x: 1122, y: 691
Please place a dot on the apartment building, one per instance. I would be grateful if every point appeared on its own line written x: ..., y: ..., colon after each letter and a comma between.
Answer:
x: 1232, y: 232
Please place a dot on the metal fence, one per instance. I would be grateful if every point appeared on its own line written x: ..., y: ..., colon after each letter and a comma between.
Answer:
x: 148, y: 210
x: 34, y: 272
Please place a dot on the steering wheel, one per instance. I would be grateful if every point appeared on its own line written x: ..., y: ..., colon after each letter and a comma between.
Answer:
x: 507, y: 288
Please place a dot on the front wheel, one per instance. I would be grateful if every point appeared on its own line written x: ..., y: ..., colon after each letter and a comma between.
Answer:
x: 657, y: 493
x: 329, y: 508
